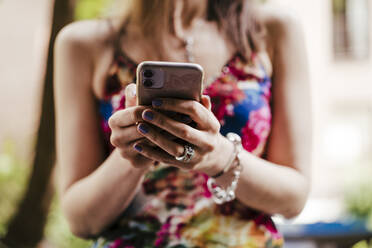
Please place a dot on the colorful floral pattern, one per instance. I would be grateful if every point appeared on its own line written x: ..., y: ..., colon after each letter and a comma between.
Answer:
x: 178, y: 210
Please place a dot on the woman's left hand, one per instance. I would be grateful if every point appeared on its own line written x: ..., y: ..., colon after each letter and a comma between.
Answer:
x: 210, y: 147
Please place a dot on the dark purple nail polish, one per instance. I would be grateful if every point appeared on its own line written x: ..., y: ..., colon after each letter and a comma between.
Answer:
x: 148, y: 115
x: 143, y: 128
x: 157, y: 103
x: 138, y: 148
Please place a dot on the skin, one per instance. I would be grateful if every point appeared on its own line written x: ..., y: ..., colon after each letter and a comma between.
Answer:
x: 279, y: 183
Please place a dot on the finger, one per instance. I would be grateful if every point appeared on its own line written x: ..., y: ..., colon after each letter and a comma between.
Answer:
x: 182, y: 118
x: 197, y: 112
x: 163, y: 132
x: 128, y: 149
x: 157, y: 154
x: 153, y: 153
x: 126, y: 117
x: 129, y: 152
x: 130, y: 95
x: 140, y: 160
x: 178, y: 129
x: 128, y: 138
x: 206, y: 101
x: 158, y: 138
x: 125, y: 136
x: 177, y: 116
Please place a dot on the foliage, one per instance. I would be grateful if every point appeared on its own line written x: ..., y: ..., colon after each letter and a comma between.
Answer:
x: 90, y: 9
x: 358, y: 201
x: 339, y: 6
x: 57, y: 231
x: 13, y: 179
x: 14, y: 172
x: 358, y: 198
x: 363, y: 244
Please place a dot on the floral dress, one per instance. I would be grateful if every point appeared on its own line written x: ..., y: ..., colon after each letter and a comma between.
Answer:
x: 177, y: 209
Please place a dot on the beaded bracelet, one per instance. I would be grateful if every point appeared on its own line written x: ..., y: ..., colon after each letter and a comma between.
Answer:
x: 221, y: 195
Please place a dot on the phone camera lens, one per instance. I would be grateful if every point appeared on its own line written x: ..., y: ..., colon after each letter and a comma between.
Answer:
x: 148, y: 83
x: 148, y: 73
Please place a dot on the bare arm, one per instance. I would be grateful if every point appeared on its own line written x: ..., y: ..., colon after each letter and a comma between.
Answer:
x: 281, y: 184
x: 93, y: 191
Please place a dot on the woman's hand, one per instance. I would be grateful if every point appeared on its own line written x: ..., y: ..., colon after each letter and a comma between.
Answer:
x: 124, y: 131
x: 209, y: 145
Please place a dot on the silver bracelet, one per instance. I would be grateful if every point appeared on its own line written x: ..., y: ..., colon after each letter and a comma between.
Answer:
x: 222, y: 195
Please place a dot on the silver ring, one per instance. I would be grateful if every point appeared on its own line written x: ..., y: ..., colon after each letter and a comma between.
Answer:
x: 187, y: 155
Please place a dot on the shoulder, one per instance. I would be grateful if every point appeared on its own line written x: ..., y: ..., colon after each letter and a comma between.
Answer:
x: 279, y: 20
x: 284, y: 34
x: 88, y: 37
x: 283, y: 27
x: 86, y: 48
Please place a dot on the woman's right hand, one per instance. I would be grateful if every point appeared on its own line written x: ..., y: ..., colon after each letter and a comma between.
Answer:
x: 123, y: 124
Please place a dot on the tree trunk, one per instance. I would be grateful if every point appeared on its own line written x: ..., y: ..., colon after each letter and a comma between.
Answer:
x: 26, y: 228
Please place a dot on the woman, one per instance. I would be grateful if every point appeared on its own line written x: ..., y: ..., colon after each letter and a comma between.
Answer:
x: 125, y: 179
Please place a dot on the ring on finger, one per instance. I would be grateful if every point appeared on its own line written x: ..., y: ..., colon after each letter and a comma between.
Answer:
x: 187, y: 155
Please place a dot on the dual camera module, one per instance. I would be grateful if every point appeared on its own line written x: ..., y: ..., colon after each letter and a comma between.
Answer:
x: 148, y: 74
x: 152, y: 77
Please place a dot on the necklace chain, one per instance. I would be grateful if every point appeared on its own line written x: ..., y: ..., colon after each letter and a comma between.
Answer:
x: 189, y: 54
x: 189, y: 43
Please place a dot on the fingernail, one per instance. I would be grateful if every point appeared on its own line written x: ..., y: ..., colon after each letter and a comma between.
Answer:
x: 157, y: 103
x: 143, y: 129
x: 133, y: 93
x: 138, y: 148
x: 148, y: 115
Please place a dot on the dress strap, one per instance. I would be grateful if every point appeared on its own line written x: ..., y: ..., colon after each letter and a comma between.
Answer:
x: 120, y: 57
x: 119, y: 35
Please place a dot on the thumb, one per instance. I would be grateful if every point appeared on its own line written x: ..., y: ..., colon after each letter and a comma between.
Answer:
x: 130, y: 95
x: 206, y: 102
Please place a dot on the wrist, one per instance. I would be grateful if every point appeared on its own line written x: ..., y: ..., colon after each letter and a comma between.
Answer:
x: 222, y: 193
x: 228, y: 156
x: 224, y: 154
x: 140, y: 170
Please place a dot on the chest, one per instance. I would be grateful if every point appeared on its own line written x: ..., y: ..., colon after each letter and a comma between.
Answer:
x: 209, y: 48
x: 212, y: 51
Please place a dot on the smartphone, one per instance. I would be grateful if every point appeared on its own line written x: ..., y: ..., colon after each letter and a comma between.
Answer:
x: 168, y: 80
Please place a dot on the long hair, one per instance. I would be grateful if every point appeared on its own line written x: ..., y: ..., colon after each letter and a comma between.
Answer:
x: 235, y: 18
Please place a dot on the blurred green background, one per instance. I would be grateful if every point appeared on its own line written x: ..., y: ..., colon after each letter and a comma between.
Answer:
x: 14, y: 172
